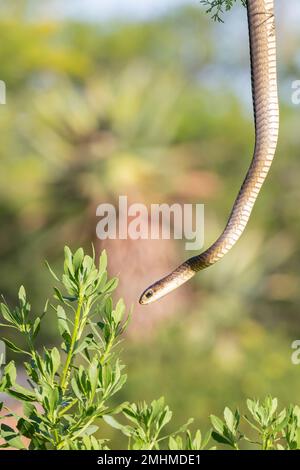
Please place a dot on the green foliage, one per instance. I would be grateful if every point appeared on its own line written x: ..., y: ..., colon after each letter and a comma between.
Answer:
x: 146, y: 424
x: 273, y: 430
x: 217, y: 7
x: 71, y: 387
x: 196, y: 443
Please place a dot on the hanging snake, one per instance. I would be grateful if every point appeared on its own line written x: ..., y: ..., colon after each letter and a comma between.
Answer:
x: 262, y: 41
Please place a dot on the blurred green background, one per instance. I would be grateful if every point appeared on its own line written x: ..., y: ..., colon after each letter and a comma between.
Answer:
x: 157, y: 107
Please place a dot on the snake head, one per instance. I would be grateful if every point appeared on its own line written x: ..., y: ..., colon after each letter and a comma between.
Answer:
x: 155, y: 292
x: 161, y: 288
x: 147, y: 296
x: 167, y: 284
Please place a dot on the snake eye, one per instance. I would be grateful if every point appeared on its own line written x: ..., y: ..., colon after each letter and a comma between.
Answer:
x: 146, y: 297
x: 149, y: 294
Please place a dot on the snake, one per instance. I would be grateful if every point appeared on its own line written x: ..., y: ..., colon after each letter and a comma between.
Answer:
x: 262, y: 44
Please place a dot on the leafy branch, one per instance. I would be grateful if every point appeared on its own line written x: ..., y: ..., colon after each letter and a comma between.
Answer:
x: 217, y: 7
x: 273, y: 430
x: 71, y: 387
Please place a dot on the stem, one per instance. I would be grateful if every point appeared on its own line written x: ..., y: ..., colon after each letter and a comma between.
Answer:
x: 108, y: 349
x: 56, y: 436
x: 64, y: 377
x: 87, y: 424
x: 84, y: 317
x: 266, y: 444
x: 31, y: 347
x: 68, y: 407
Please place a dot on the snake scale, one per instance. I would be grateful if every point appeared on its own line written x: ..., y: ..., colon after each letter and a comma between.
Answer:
x: 262, y: 39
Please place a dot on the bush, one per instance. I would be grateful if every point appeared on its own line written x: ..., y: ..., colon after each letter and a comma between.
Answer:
x: 71, y: 388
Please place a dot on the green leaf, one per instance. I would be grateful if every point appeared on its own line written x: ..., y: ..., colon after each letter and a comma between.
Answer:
x: 274, y: 405
x: 68, y: 264
x: 28, y: 409
x: 78, y: 258
x: 13, y: 347
x: 102, y: 262
x: 130, y: 412
x: 165, y: 418
x: 87, y: 343
x: 197, y: 441
x: 51, y: 271
x: 6, y: 313
x: 22, y: 295
x: 76, y: 389
x: 216, y: 7
x: 231, y: 420
x: 175, y: 444
x: 88, y: 263
x: 117, y: 314
x: 21, y: 393
x: 217, y: 424
x: 62, y: 321
x: 51, y: 398
x: 251, y: 406
x: 93, y: 372
x: 58, y: 295
x: 185, y: 426
x: 220, y: 438
x: 91, y: 430
x: 206, y: 438
x: 36, y: 327
x: 127, y: 430
x: 69, y: 285
x: 11, y: 437
x: 55, y: 357
x: 281, y: 420
x: 111, y: 286
x: 9, y: 375
x: 25, y: 427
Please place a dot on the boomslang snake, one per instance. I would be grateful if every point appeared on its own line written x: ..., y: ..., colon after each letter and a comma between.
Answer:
x: 266, y: 116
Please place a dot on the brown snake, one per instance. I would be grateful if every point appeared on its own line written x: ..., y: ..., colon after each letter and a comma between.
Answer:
x: 266, y: 116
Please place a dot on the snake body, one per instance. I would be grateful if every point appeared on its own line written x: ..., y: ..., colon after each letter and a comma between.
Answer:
x: 262, y: 40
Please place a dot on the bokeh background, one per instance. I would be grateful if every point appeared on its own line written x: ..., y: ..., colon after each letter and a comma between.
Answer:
x: 152, y: 100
